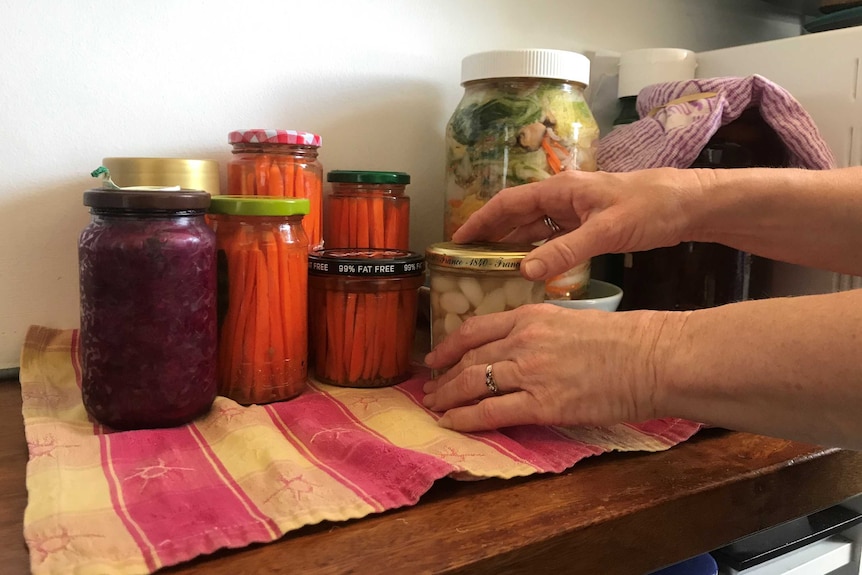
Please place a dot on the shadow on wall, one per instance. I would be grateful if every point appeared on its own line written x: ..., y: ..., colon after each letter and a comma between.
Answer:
x: 384, y: 123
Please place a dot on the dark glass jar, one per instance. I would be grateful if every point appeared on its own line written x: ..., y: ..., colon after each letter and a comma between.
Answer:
x: 695, y: 275
x: 148, y: 308
x: 280, y: 163
x: 367, y: 210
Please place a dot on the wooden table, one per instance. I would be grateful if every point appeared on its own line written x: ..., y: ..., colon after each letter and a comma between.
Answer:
x: 617, y: 513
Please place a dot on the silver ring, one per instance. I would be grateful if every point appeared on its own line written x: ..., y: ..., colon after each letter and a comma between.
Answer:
x: 552, y: 225
x: 490, y: 381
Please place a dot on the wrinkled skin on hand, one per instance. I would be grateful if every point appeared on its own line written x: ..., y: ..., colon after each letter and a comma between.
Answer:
x: 597, y: 212
x: 553, y: 366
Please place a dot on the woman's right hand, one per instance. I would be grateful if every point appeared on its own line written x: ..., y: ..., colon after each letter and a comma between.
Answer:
x: 597, y: 212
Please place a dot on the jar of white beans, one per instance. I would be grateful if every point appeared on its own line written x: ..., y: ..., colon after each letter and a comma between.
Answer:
x: 476, y: 279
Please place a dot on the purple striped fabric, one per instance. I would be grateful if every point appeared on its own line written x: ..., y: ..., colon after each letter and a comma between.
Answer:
x: 676, y: 133
x: 101, y: 501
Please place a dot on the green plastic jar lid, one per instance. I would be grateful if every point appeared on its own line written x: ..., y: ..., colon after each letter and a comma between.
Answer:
x: 258, y: 206
x: 367, y: 177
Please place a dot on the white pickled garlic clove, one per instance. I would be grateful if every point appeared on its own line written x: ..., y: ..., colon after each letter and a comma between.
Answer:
x: 517, y: 292
x: 451, y: 323
x: 442, y: 284
x: 472, y: 290
x: 493, y: 302
x: 454, y: 302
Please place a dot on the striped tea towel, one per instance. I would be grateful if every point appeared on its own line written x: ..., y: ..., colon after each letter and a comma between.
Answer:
x: 679, y: 118
x: 135, y: 501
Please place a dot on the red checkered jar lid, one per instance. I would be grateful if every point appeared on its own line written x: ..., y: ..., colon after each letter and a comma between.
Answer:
x: 274, y: 137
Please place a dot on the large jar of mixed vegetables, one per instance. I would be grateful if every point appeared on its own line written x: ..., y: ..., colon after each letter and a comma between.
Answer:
x: 523, y: 118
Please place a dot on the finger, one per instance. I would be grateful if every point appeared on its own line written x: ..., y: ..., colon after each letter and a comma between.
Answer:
x: 471, y: 385
x: 531, y: 232
x: 492, y: 413
x: 508, y: 209
x: 480, y: 356
x: 565, y: 252
x: 473, y: 333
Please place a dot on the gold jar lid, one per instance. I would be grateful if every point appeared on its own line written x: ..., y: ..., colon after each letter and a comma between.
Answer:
x: 478, y: 256
x: 182, y: 172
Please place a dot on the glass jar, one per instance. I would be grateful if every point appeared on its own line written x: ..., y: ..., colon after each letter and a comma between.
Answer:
x: 367, y: 210
x: 148, y: 308
x: 280, y: 163
x: 165, y: 172
x: 522, y: 119
x: 363, y: 314
x: 263, y: 301
x: 476, y: 279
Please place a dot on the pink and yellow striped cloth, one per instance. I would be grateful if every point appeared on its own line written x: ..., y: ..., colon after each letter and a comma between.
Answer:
x: 133, y: 502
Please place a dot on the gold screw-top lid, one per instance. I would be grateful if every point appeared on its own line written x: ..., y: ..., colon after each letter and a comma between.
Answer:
x: 478, y: 256
x: 183, y: 172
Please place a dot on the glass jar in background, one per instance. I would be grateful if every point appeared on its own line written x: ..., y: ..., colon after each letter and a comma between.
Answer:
x: 476, y: 279
x: 148, y: 308
x: 367, y: 210
x: 166, y: 172
x: 263, y: 297
x: 279, y: 163
x: 363, y: 305
x: 523, y: 118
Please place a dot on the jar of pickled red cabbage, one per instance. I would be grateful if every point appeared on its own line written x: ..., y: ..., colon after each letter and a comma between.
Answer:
x: 148, y: 307
x: 476, y: 279
x: 523, y: 118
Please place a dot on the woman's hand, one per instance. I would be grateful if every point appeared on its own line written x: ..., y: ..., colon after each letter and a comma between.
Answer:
x: 553, y: 366
x: 597, y: 212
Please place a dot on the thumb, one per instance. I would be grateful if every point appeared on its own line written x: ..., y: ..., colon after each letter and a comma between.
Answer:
x: 563, y: 253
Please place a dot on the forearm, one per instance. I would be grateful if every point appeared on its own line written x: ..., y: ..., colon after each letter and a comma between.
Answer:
x: 807, y: 217
x: 789, y: 367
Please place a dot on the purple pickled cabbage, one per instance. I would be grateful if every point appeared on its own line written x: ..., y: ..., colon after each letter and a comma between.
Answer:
x: 148, y: 320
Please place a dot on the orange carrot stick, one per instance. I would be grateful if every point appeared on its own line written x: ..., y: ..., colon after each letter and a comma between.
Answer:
x: 262, y: 357
x: 389, y: 318
x: 261, y: 172
x: 287, y: 168
x: 331, y: 363
x: 553, y: 159
x: 349, y: 320
x: 274, y: 304
x: 377, y: 223
x: 276, y: 183
x: 357, y: 352
x: 369, y: 370
x: 249, y: 184
x: 363, y: 235
x: 234, y: 179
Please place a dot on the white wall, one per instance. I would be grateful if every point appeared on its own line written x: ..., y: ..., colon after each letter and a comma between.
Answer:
x: 82, y: 80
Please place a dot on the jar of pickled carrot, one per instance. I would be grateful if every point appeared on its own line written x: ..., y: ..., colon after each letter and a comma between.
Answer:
x: 279, y: 163
x: 367, y: 210
x: 148, y: 307
x: 363, y: 314
x: 262, y: 297
x: 476, y: 279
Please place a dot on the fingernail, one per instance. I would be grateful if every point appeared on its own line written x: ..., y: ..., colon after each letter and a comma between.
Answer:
x: 428, y: 400
x: 534, y: 269
x: 430, y: 357
x: 445, y: 422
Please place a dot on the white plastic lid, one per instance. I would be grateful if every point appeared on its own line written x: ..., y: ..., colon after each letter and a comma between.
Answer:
x: 553, y: 64
x: 640, y: 68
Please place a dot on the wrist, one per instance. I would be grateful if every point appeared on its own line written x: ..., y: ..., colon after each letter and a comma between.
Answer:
x: 667, y: 347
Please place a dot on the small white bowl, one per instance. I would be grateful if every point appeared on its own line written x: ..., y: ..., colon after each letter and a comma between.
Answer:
x: 600, y: 295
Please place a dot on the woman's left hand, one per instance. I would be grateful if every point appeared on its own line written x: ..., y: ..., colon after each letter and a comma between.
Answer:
x: 551, y: 366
